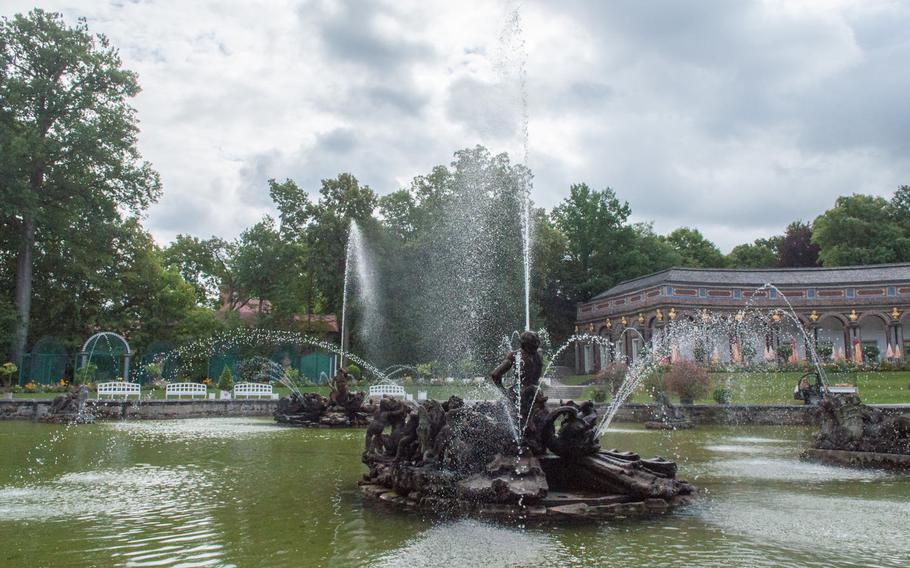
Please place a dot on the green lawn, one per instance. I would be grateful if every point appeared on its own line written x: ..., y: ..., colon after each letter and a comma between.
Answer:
x: 777, y: 388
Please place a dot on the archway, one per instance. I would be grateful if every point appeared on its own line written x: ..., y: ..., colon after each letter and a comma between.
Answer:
x: 105, y: 356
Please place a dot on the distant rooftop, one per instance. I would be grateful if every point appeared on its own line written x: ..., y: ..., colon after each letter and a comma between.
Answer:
x: 757, y: 277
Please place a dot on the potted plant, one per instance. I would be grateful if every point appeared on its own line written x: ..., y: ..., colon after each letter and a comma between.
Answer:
x: 225, y: 381
x: 688, y: 380
x: 7, y: 370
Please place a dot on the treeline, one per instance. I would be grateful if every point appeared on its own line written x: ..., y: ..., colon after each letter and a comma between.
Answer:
x: 447, y: 275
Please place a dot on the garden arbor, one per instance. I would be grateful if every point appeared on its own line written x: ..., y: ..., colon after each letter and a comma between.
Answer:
x: 104, y: 356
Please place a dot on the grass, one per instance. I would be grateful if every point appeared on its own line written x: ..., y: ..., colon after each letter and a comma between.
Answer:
x: 891, y: 387
x: 748, y: 388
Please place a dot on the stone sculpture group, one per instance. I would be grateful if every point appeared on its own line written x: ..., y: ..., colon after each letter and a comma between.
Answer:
x: 489, y: 458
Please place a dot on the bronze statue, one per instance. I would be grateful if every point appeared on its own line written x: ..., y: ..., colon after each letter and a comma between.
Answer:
x: 530, y: 360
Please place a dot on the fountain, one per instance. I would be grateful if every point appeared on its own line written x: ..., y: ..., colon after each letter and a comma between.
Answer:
x: 454, y: 457
x: 341, y: 408
x: 852, y: 433
x: 70, y: 408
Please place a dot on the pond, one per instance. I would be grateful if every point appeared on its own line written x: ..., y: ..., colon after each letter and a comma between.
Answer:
x: 244, y: 492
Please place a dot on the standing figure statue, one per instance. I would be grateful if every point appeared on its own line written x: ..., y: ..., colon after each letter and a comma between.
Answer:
x: 529, y: 371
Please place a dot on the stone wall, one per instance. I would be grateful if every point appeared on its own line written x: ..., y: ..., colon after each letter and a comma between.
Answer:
x: 780, y: 415
x: 24, y: 409
x: 763, y: 414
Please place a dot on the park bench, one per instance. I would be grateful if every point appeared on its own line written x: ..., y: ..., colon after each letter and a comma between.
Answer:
x: 253, y: 390
x: 395, y: 391
x: 843, y: 389
x: 185, y: 389
x: 118, y: 388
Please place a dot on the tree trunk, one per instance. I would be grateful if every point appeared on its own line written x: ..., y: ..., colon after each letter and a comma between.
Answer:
x: 23, y: 288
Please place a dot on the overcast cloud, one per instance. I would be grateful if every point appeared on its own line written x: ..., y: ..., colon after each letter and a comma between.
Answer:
x: 736, y: 117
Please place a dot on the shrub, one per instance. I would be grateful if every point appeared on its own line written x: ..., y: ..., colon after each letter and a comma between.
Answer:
x: 783, y: 353
x: 871, y: 352
x: 354, y: 371
x: 292, y: 374
x: 7, y: 370
x: 86, y: 374
x: 153, y: 370
x: 654, y: 383
x: 226, y: 380
x: 688, y: 380
x: 253, y: 370
x: 407, y: 381
x: 824, y: 350
x: 611, y: 376
x: 599, y: 394
x: 722, y: 395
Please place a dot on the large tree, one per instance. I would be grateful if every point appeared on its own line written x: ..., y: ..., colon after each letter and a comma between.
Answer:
x: 696, y: 251
x: 860, y: 229
x: 796, y: 249
x: 67, y: 138
x: 759, y: 254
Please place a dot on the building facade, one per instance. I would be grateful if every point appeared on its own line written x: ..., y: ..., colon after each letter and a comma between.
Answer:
x: 835, y: 305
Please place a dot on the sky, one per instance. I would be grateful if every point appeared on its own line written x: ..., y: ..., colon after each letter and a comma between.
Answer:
x: 735, y: 117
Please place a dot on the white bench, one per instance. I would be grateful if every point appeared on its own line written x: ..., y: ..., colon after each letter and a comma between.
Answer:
x: 118, y: 388
x: 395, y: 391
x: 253, y: 390
x: 843, y: 390
x: 185, y: 389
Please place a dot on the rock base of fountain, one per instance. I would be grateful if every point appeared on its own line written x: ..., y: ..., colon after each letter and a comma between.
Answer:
x: 312, y: 410
x: 854, y: 434
x: 70, y: 408
x: 453, y: 459
x: 666, y: 416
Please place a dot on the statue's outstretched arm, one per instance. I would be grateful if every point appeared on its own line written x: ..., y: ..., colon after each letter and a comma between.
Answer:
x: 502, y: 369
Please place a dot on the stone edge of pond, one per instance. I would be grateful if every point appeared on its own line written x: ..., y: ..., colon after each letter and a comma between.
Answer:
x: 697, y: 414
x: 544, y: 513
x: 870, y: 460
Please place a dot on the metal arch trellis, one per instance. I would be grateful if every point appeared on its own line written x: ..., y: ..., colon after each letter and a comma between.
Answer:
x: 109, y: 356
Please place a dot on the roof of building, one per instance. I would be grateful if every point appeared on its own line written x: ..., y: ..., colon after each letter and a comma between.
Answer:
x: 249, y: 312
x: 757, y: 277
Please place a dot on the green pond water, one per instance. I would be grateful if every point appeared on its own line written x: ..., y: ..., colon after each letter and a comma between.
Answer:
x: 244, y: 492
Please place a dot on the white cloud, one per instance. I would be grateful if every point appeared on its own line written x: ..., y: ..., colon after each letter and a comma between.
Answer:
x: 735, y: 117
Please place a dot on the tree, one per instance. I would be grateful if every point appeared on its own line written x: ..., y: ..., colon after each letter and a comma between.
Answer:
x: 595, y: 226
x: 293, y: 206
x: 696, y: 251
x: 67, y: 137
x: 341, y: 200
x: 860, y: 229
x: 150, y: 301
x: 760, y: 254
x: 900, y: 208
x: 796, y: 248
x: 206, y: 265
x: 602, y: 248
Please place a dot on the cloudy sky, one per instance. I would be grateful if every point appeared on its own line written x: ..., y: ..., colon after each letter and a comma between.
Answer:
x: 734, y: 116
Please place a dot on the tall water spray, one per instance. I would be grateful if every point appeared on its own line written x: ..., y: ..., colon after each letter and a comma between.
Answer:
x: 348, y: 252
x: 360, y: 278
x: 515, y: 52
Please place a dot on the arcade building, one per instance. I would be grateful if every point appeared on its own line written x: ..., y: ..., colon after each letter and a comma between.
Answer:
x: 835, y: 305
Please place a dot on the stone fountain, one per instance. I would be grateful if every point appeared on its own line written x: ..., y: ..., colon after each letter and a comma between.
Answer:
x: 852, y: 433
x: 70, y: 408
x: 341, y: 409
x: 539, y: 462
